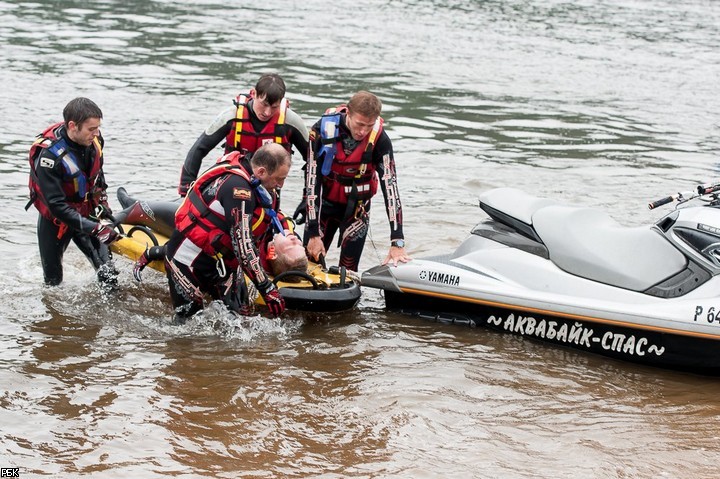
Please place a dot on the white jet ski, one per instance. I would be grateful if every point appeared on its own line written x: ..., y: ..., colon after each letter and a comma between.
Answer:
x: 573, y: 276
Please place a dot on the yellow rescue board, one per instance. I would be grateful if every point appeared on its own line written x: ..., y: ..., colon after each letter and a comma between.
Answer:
x: 331, y: 291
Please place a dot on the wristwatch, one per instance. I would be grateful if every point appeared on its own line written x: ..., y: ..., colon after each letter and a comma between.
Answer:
x: 399, y: 243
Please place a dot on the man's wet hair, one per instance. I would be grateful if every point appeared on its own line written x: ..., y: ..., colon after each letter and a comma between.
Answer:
x: 80, y: 109
x: 271, y: 86
x: 284, y: 263
x: 271, y: 156
x: 365, y: 103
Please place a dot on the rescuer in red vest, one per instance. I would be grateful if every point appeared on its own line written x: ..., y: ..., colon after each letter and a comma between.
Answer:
x: 219, y: 226
x: 350, y: 155
x: 260, y: 116
x: 67, y: 186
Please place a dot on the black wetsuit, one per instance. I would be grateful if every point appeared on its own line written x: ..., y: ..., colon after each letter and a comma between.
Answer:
x: 221, y: 127
x: 55, y: 236
x: 329, y: 216
x: 192, y: 273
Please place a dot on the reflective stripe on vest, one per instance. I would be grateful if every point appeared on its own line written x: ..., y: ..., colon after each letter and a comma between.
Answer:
x: 365, y: 187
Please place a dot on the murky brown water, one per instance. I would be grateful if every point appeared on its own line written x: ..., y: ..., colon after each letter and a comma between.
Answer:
x: 609, y: 104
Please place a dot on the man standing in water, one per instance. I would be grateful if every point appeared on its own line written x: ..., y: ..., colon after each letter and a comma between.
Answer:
x: 67, y: 184
x: 350, y: 154
x: 258, y: 117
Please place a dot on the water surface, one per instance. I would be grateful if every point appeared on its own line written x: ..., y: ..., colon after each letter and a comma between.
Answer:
x: 608, y: 104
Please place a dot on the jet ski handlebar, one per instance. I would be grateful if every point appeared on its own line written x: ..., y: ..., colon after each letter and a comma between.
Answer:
x: 682, y: 197
x: 708, y: 189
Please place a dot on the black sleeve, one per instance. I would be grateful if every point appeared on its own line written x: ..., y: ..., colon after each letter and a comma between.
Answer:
x: 384, y: 162
x: 298, y: 140
x: 239, y: 202
x: 297, y: 132
x: 202, y: 146
x: 313, y: 182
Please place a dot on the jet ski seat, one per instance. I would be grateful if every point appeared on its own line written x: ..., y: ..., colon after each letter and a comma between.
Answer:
x: 590, y: 244
x: 514, y: 208
x: 587, y: 242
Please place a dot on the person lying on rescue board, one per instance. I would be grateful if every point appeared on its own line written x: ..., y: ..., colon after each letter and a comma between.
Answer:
x: 285, y: 252
x: 272, y: 234
x: 218, y: 228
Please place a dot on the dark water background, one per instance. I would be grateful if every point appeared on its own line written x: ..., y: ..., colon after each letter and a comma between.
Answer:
x: 607, y: 103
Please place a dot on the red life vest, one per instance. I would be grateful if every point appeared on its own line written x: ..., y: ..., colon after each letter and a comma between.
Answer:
x: 244, y: 138
x: 353, y: 171
x: 77, y: 185
x: 207, y: 228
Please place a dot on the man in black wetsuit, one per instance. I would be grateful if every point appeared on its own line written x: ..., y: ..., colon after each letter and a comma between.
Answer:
x: 258, y: 117
x: 67, y: 184
x: 218, y: 228
x: 350, y: 154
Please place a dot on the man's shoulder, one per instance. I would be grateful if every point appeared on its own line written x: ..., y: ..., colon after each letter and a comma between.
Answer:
x: 235, y: 188
x: 236, y: 179
x: 383, y: 146
x: 293, y: 115
x: 51, y: 148
x: 384, y: 139
x: 295, y: 121
x: 48, y: 162
x: 221, y: 120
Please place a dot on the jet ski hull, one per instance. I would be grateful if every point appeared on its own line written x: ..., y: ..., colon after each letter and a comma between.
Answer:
x: 655, y: 346
x: 484, y: 283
